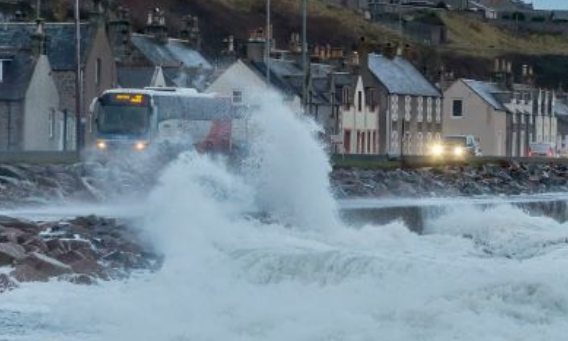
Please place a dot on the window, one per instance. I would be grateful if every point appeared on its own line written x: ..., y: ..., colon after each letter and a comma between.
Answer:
x: 360, y: 101
x: 346, y: 97
x: 372, y: 99
x: 374, y: 142
x: 457, y: 108
x: 347, y: 141
x: 51, y: 123
x: 98, y: 72
x: 420, y: 143
x: 237, y: 96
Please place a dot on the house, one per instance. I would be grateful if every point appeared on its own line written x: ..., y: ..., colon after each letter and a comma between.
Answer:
x: 30, y: 119
x: 409, y: 105
x: 180, y: 59
x: 97, y: 64
x: 358, y: 120
x: 561, y: 113
x: 504, y: 115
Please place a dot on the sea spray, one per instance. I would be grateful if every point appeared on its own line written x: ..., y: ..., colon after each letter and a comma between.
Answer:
x: 289, y: 169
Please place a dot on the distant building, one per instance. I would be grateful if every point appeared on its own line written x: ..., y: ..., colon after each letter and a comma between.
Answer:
x: 504, y: 115
x: 180, y: 59
x: 97, y: 64
x: 409, y: 105
x: 30, y: 118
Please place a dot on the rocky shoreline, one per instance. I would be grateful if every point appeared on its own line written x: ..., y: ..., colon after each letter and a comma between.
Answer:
x: 508, y: 178
x: 89, y: 249
x: 83, y: 250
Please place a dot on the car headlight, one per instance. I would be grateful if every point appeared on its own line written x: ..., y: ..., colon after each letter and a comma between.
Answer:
x: 140, y: 145
x: 101, y: 145
x: 458, y: 151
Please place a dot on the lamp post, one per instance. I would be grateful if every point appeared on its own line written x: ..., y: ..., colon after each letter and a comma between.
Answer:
x: 304, y: 53
x: 267, y: 42
x: 78, y: 79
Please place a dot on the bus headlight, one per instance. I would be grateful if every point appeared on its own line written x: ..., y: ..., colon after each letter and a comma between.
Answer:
x: 101, y: 145
x: 140, y: 145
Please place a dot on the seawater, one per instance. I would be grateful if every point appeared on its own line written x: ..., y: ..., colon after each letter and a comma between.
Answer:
x: 491, y: 274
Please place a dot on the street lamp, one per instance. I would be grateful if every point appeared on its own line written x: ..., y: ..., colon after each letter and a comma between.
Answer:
x: 78, y: 78
x: 267, y: 42
x: 304, y: 53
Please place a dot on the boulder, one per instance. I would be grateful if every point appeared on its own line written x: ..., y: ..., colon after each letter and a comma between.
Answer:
x: 6, y: 283
x: 20, y: 224
x: 38, y: 267
x: 10, y: 234
x: 89, y: 267
x: 10, y: 252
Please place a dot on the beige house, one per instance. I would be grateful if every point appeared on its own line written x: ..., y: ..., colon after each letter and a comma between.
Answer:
x: 505, y: 116
x: 472, y: 108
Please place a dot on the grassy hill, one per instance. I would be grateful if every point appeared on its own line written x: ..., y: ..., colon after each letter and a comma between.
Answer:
x: 473, y: 43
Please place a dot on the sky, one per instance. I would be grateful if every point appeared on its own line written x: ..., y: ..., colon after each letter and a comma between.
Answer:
x: 549, y: 4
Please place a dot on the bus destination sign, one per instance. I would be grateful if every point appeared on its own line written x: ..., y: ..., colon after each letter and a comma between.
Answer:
x: 128, y: 99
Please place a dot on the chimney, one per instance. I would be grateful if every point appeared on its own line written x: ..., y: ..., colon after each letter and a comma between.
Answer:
x: 389, y: 50
x: 230, y: 49
x: 98, y: 13
x: 39, y: 39
x: 294, y: 44
x: 190, y: 31
x: 19, y: 16
x: 119, y: 32
x: 156, y: 26
x: 363, y: 53
x: 255, y: 45
x: 407, y: 52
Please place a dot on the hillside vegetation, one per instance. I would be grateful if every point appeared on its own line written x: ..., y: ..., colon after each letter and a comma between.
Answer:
x: 475, y: 37
x: 473, y: 43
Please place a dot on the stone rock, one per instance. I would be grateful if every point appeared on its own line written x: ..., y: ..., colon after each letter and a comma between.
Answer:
x: 18, y: 223
x: 12, y: 235
x: 70, y: 257
x: 89, y: 267
x: 6, y: 283
x: 10, y: 252
x: 38, y: 267
x: 37, y: 244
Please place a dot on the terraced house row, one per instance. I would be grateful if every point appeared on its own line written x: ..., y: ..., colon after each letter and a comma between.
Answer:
x: 367, y: 101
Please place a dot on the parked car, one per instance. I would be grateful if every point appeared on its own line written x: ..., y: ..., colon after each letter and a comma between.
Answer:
x: 456, y: 146
x: 542, y: 149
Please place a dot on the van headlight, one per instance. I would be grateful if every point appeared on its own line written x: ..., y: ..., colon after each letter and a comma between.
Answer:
x: 101, y: 144
x: 458, y: 151
x: 140, y: 145
x: 437, y: 150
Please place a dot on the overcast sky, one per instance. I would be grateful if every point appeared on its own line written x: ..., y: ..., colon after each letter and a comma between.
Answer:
x: 549, y: 4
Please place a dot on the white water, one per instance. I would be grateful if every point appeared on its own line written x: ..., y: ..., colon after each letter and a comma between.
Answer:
x: 495, y: 274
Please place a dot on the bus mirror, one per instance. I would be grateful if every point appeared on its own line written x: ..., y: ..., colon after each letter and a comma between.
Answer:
x: 93, y: 104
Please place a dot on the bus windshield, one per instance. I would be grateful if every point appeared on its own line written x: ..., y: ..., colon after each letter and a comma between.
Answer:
x: 123, y: 119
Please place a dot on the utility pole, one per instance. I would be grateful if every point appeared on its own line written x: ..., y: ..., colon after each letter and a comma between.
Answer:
x: 267, y: 42
x: 305, y: 65
x: 78, y: 79
x: 38, y: 9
